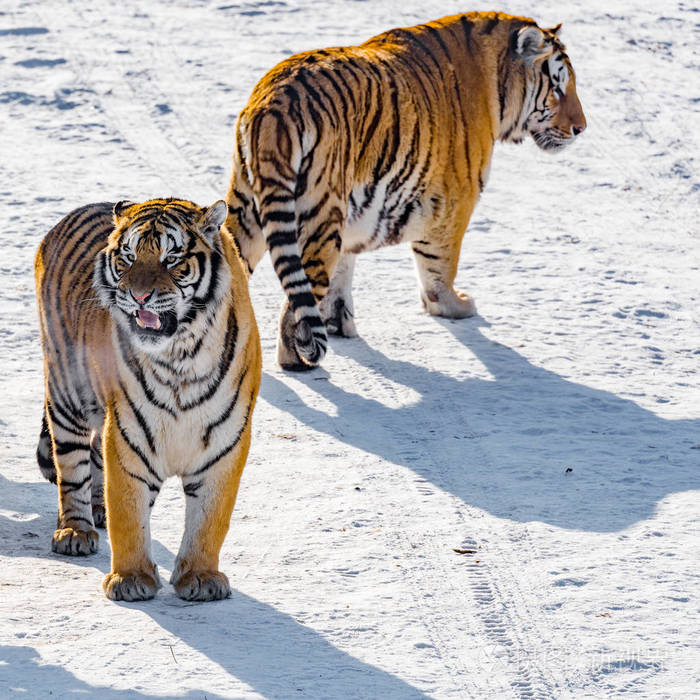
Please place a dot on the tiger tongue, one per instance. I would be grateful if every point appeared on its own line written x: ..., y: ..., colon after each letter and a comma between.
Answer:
x: 148, y: 319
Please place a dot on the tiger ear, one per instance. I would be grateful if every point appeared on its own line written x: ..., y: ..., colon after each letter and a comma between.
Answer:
x: 554, y: 30
x: 120, y: 208
x: 212, y: 219
x: 529, y: 43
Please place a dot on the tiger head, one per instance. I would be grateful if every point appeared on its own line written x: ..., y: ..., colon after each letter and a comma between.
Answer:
x: 551, y: 111
x: 161, y: 267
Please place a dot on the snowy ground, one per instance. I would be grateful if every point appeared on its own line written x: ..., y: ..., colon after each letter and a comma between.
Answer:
x: 557, y: 434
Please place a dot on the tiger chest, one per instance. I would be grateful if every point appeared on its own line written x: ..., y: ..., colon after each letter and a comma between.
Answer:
x: 175, y: 433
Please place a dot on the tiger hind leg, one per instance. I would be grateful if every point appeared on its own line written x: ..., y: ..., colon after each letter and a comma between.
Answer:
x: 302, y: 340
x: 243, y: 221
x: 437, y: 268
x: 99, y: 514
x: 305, y: 279
x: 75, y: 532
x: 44, y: 452
x: 337, y: 309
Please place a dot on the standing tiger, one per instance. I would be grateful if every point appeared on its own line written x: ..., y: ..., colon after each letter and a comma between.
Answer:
x: 349, y: 149
x: 152, y: 369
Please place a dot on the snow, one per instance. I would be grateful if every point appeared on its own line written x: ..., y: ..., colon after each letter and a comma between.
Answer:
x: 555, y: 438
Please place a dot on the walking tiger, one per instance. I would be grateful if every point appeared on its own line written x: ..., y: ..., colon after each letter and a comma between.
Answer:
x: 344, y: 150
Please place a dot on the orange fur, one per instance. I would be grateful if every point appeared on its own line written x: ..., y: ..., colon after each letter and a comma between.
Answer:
x: 347, y: 149
x: 171, y: 395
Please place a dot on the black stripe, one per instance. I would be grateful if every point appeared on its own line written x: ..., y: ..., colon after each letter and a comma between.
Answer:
x: 69, y: 486
x: 227, y: 412
x: 301, y: 299
x: 430, y: 256
x: 191, y: 489
x: 135, y: 368
x: 103, y: 228
x: 151, y: 487
x: 45, y: 461
x: 228, y: 449
x: 490, y: 25
x: 296, y: 283
x: 312, y: 213
x: 64, y: 448
x: 136, y: 449
x: 280, y: 238
x: 467, y: 28
x: 71, y: 427
x: 224, y: 364
x: 139, y: 417
x: 279, y: 216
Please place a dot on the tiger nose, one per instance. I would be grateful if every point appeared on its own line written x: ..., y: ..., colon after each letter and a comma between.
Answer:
x: 141, y: 298
x: 576, y: 130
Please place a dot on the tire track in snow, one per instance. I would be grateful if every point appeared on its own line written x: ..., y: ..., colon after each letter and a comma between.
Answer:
x: 126, y: 109
x: 188, y: 139
x: 493, y: 582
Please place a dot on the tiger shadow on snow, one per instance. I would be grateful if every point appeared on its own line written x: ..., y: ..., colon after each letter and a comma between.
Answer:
x: 252, y: 641
x: 525, y: 444
x: 26, y: 673
x: 28, y: 519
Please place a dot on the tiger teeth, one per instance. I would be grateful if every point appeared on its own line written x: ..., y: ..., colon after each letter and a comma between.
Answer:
x: 141, y: 324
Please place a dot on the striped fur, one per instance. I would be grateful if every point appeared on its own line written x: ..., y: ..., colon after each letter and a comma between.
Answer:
x: 152, y: 369
x: 348, y: 149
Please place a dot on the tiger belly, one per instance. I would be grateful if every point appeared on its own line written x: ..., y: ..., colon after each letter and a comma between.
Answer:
x: 378, y: 217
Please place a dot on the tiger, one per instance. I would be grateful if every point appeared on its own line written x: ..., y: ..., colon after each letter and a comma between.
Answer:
x: 345, y: 150
x: 152, y: 367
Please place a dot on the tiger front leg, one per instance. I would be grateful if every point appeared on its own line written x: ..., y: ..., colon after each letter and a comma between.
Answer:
x: 131, y: 487
x: 337, y: 308
x: 437, y: 268
x: 211, y: 495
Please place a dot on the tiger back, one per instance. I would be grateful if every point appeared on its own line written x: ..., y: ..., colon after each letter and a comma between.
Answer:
x: 152, y: 369
x: 348, y: 149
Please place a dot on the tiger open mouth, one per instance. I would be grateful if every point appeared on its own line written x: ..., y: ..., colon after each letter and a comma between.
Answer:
x: 152, y: 327
x: 147, y: 319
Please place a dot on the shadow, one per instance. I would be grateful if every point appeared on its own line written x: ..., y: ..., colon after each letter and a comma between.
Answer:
x: 268, y: 650
x: 271, y: 652
x: 28, y: 512
x: 25, y: 674
x: 524, y: 444
x: 25, y: 520
x: 254, y: 642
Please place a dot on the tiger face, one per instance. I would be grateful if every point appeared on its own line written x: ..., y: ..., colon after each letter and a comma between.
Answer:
x: 158, y: 270
x: 553, y: 115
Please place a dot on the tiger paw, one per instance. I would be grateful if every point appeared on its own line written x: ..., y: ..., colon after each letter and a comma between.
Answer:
x: 131, y: 586
x: 68, y: 540
x: 202, y: 585
x: 338, y: 318
x: 99, y: 515
x: 290, y: 345
x: 448, y: 303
